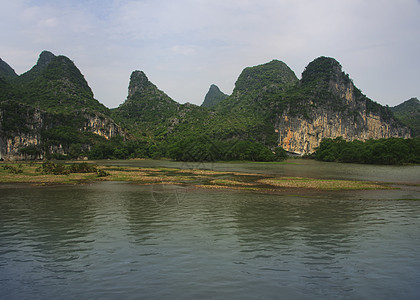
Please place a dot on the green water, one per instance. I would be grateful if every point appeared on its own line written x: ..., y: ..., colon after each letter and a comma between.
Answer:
x: 115, y: 240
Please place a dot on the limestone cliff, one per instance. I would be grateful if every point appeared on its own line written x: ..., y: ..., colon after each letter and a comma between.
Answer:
x: 28, y: 133
x: 302, y: 135
x: 334, y: 107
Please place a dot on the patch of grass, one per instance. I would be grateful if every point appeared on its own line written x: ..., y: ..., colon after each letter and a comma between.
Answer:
x: 216, y: 186
x: 321, y: 184
x: 228, y: 182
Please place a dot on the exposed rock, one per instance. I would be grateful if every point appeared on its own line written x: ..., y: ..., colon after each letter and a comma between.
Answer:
x: 302, y: 136
x: 341, y: 110
x: 102, y: 126
x: 27, y: 142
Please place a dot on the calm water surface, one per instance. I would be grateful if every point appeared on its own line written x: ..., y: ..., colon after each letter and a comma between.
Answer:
x: 127, y: 241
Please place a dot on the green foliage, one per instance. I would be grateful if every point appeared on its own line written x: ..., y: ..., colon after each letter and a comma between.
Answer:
x: 409, y: 114
x: 57, y: 86
x: 392, y: 151
x: 15, y: 118
x: 202, y: 148
x: 213, y: 97
x: 50, y: 167
x: 258, y: 77
x: 13, y: 169
x: 31, y: 151
x: 82, y: 168
x: 146, y: 105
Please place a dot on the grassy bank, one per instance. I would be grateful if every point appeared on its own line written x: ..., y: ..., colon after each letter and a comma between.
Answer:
x: 77, y: 173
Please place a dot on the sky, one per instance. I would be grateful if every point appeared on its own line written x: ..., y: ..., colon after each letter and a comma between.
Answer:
x: 184, y: 46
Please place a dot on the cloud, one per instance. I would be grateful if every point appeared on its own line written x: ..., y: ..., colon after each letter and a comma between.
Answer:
x: 186, y: 45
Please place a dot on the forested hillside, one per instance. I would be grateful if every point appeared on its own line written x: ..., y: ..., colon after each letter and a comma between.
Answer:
x: 409, y: 114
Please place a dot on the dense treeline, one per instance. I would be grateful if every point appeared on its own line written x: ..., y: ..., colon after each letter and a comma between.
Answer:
x: 198, y: 148
x: 392, y: 151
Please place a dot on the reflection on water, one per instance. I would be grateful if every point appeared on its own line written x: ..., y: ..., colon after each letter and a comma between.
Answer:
x: 117, y: 240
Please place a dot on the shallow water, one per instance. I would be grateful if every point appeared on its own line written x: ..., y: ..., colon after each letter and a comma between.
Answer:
x: 117, y: 240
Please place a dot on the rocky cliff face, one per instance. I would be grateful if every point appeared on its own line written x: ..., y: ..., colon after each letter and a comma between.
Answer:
x: 28, y: 141
x: 342, y: 111
x: 102, y: 126
x: 302, y: 135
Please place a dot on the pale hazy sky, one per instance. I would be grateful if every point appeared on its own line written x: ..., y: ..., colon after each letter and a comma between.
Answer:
x: 184, y: 46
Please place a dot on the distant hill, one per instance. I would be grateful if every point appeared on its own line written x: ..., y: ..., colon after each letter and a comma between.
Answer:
x: 213, y: 96
x: 408, y: 113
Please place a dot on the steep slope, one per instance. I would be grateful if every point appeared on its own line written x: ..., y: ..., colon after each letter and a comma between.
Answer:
x: 44, y: 59
x: 213, y: 96
x: 55, y: 84
x: 409, y: 114
x: 326, y: 104
x: 6, y: 71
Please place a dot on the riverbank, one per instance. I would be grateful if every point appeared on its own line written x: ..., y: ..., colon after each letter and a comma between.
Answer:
x: 32, y: 173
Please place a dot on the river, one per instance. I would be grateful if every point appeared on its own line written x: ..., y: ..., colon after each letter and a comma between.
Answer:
x: 115, y: 240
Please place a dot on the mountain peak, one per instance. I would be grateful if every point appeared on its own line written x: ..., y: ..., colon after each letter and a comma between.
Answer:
x: 138, y: 83
x: 45, y: 58
x: 274, y: 72
x: 322, y: 69
x: 213, y: 96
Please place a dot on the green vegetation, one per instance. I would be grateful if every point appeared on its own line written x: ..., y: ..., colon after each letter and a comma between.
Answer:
x: 13, y: 169
x: 213, y: 97
x: 56, y: 85
x: 50, y: 167
x: 6, y: 71
x: 203, y: 149
x: 392, y: 151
